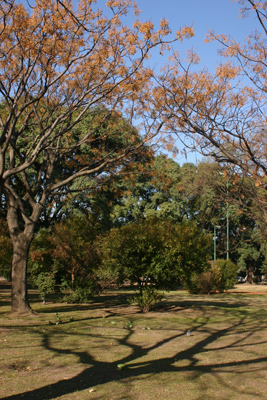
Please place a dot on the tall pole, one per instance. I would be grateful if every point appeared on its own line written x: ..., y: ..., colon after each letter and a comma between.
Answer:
x: 214, y: 238
x: 227, y: 218
x: 227, y: 223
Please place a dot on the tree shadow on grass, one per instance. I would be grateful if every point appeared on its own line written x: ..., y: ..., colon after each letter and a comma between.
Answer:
x: 221, y: 300
x: 54, y: 303
x: 100, y: 303
x: 99, y: 373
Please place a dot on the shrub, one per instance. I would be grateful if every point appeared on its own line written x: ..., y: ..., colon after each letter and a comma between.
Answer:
x: 79, y: 295
x: 161, y: 250
x: 147, y: 298
x: 45, y: 284
x: 83, y: 291
x: 229, y: 272
x: 220, y: 276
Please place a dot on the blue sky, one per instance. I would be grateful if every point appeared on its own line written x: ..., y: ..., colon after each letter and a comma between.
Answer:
x: 221, y: 15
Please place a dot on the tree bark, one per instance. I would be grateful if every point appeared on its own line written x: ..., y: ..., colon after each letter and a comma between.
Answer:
x: 21, y: 239
x: 250, y: 274
x: 19, y: 294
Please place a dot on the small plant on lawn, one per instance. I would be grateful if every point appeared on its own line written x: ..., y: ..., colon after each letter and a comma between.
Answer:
x: 58, y: 319
x: 78, y: 295
x: 45, y: 284
x: 147, y: 298
x: 82, y: 292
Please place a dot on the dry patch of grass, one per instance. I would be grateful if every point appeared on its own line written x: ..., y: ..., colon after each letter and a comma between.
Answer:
x: 108, y: 350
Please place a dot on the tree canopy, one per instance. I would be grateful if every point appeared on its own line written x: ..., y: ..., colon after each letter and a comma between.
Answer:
x: 155, y: 251
x: 221, y: 114
x: 59, y: 61
x: 72, y: 79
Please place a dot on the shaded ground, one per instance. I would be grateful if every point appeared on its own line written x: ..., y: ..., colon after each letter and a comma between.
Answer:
x: 108, y: 350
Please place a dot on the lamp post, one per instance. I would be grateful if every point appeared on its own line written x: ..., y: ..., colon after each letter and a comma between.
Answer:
x: 227, y: 221
x: 227, y: 218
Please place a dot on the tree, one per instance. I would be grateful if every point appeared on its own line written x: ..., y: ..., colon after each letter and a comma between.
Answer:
x: 252, y: 258
x: 65, y: 254
x: 99, y: 191
x: 41, y: 259
x: 217, y: 197
x: 58, y: 62
x: 166, y: 190
x: 154, y: 193
x: 45, y: 284
x: 203, y: 193
x: 222, y: 114
x: 5, y: 250
x: 73, y: 247
x: 155, y: 252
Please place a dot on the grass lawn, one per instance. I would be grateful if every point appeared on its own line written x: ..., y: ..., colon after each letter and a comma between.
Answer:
x: 107, y: 350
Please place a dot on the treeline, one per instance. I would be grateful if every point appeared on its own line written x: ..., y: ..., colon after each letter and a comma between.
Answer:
x: 152, y: 226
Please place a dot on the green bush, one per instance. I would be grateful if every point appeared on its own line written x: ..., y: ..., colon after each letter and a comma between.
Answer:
x: 228, y: 272
x: 220, y: 276
x: 44, y: 283
x: 79, y: 295
x: 82, y: 292
x: 147, y: 298
x: 162, y: 251
x: 204, y: 283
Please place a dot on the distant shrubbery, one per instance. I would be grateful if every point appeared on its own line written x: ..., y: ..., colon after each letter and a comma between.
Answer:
x: 220, y: 276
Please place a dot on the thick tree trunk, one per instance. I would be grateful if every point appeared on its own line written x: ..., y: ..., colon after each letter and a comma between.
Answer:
x: 19, y: 295
x: 250, y: 274
x: 21, y: 240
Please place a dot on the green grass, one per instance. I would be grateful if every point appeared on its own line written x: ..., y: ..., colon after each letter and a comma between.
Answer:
x: 108, y: 350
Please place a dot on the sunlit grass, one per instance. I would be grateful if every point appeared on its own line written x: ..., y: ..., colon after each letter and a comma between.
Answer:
x: 109, y: 350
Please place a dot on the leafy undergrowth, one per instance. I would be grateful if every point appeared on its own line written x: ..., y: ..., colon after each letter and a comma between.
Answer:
x: 190, y: 347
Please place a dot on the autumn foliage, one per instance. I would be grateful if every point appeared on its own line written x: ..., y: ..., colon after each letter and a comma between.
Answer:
x: 59, y: 61
x: 221, y: 114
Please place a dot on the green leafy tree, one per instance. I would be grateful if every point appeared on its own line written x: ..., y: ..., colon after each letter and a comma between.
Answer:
x: 216, y: 196
x: 64, y: 61
x: 45, y: 284
x: 157, y: 192
x: 251, y: 259
x: 41, y: 259
x: 67, y: 253
x: 74, y: 251
x: 203, y: 193
x: 154, y: 253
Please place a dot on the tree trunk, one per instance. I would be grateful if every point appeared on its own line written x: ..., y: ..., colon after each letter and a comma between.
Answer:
x: 21, y: 240
x: 250, y: 274
x: 19, y: 294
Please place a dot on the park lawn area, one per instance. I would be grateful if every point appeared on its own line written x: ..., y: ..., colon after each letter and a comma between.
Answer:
x: 108, y: 350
